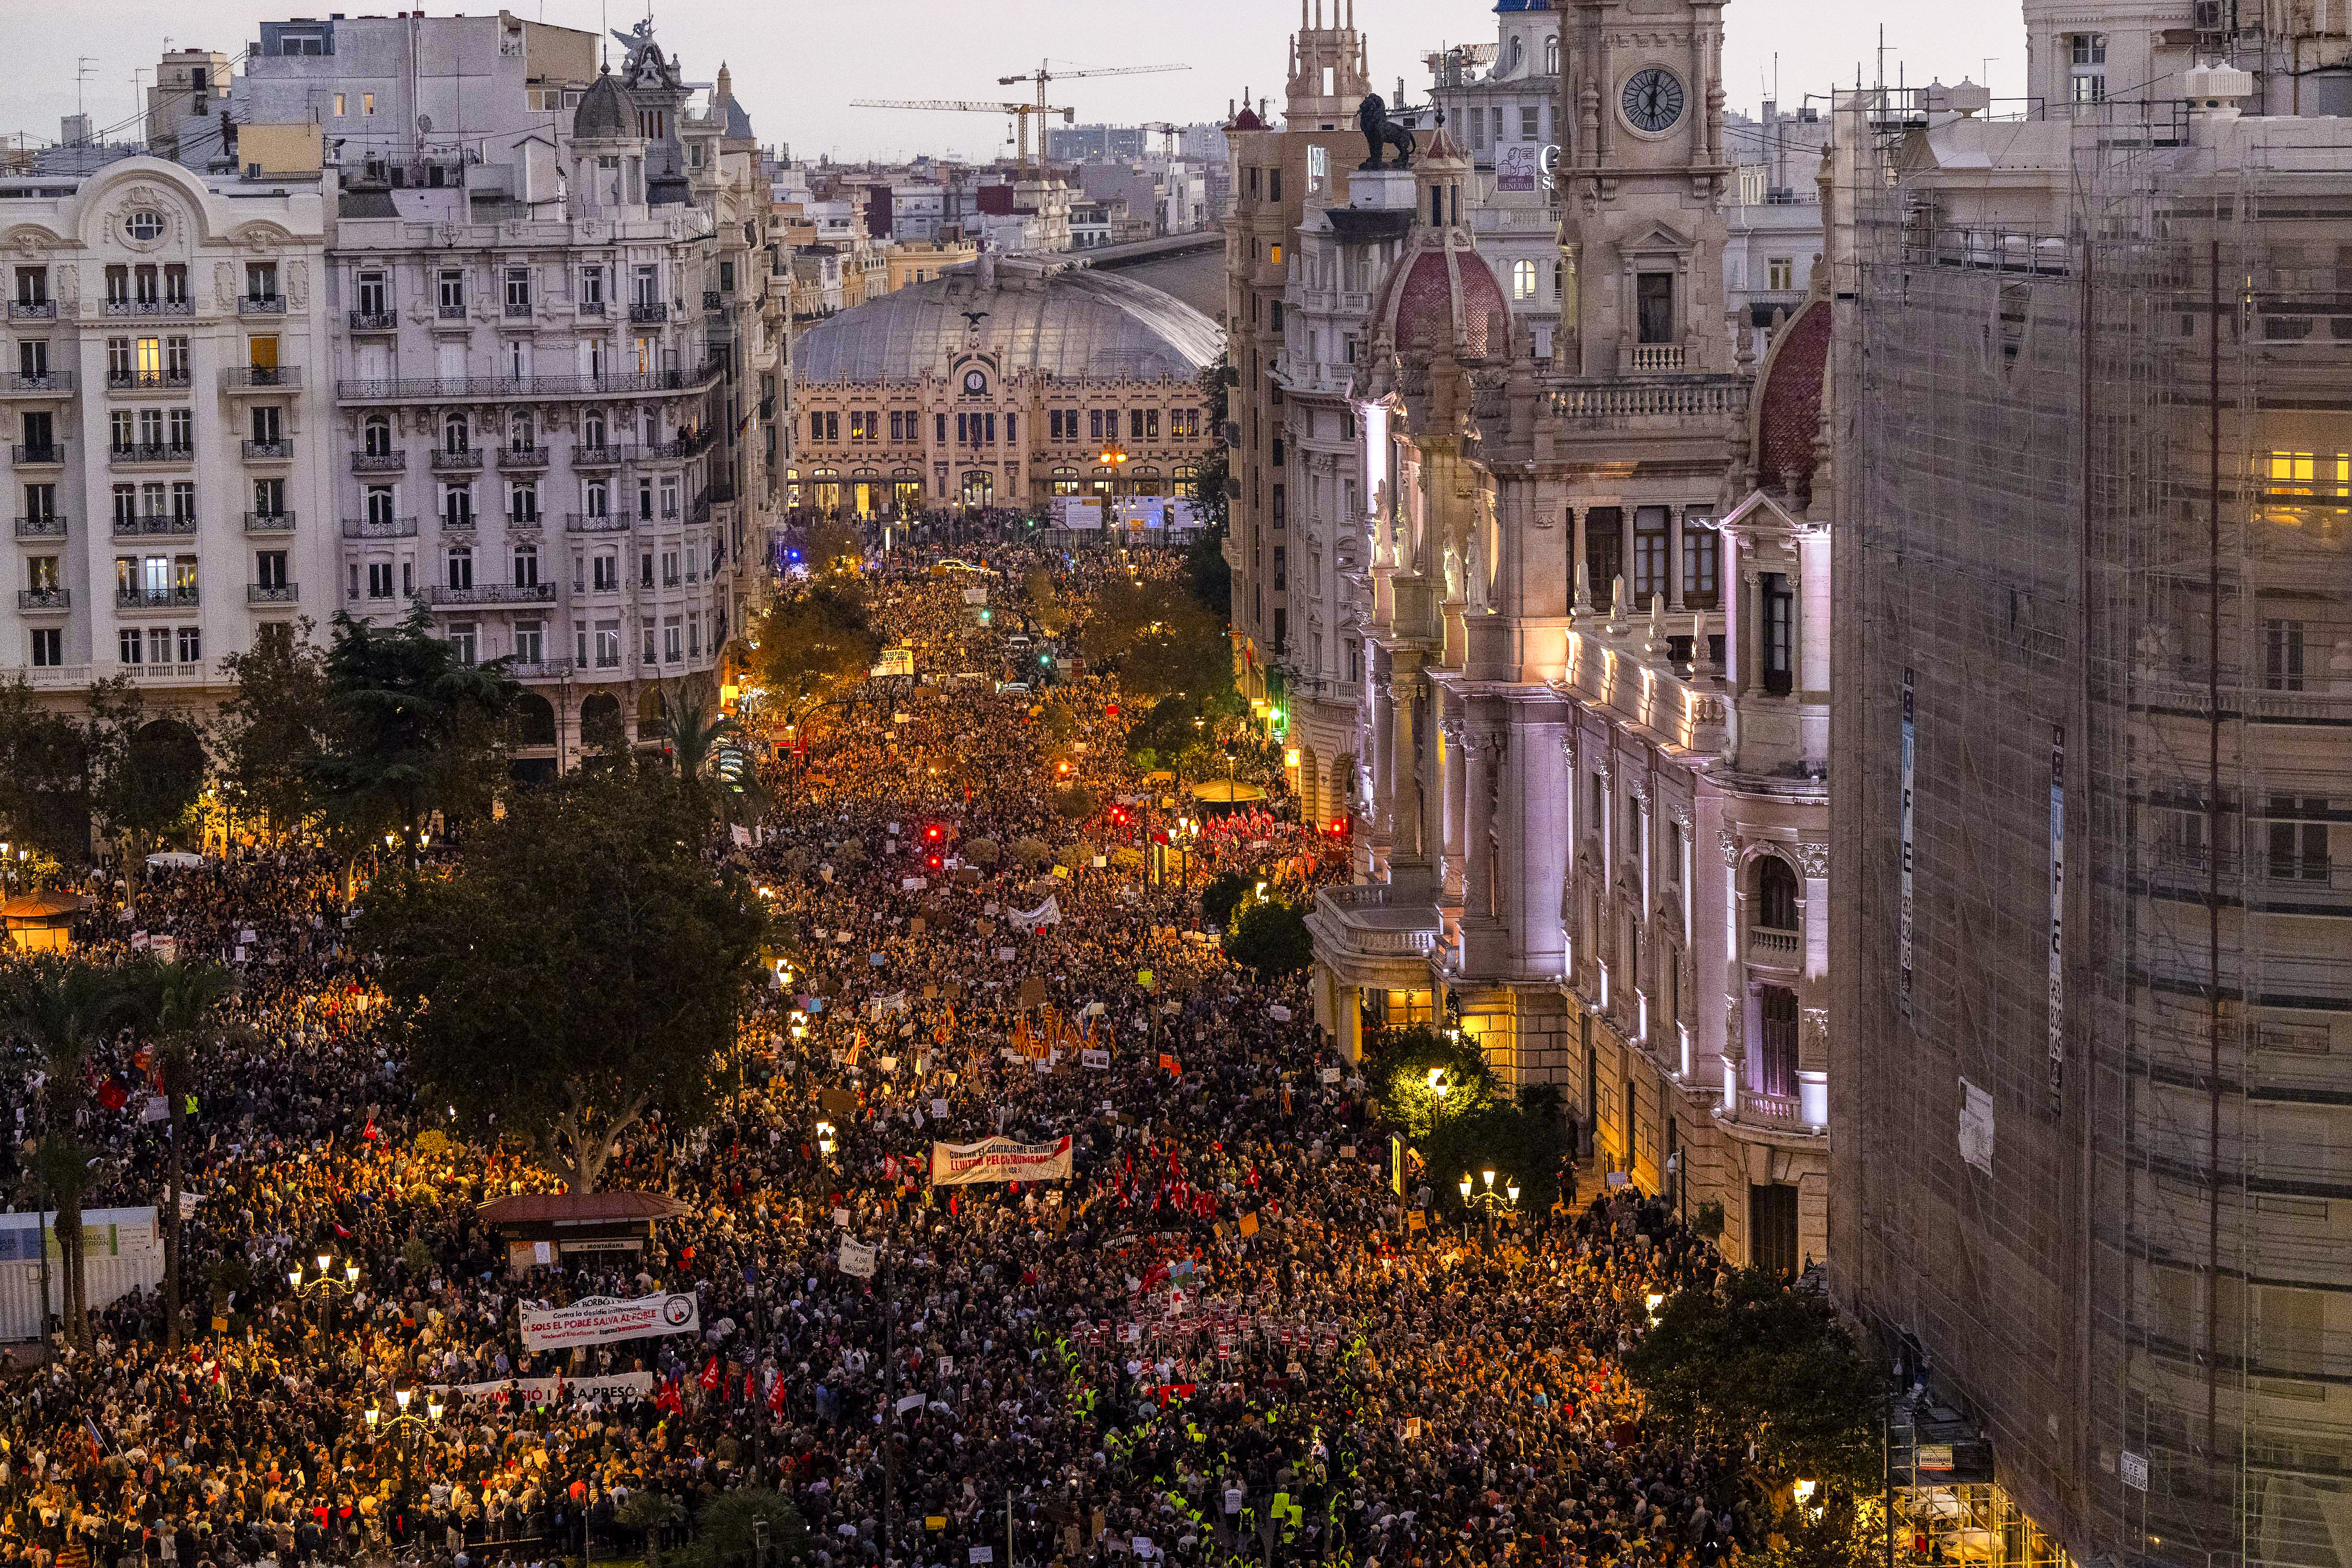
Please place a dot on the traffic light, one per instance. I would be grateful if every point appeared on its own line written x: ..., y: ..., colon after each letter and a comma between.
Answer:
x: 934, y: 834
x: 1119, y: 817
x: 1044, y: 659
x: 934, y: 861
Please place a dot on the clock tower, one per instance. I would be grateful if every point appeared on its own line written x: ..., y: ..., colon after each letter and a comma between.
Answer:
x: 1642, y: 176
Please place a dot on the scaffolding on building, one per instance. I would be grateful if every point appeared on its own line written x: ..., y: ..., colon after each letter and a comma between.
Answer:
x: 2103, y: 549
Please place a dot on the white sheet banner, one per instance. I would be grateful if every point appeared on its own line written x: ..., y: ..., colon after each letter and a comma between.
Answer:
x: 1048, y: 914
x: 998, y: 1160
x: 599, y: 1320
x: 857, y: 1259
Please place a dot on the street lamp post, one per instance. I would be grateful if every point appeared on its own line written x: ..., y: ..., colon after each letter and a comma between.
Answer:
x: 1505, y: 1202
x: 325, y: 1285
x: 404, y: 1422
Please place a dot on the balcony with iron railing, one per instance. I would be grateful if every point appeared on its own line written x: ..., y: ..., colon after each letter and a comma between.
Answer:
x: 461, y: 460
x: 278, y: 451
x: 605, y: 455
x: 145, y: 452
x: 375, y: 320
x: 649, y: 311
x: 269, y: 522
x: 439, y: 596
x: 261, y: 304
x: 44, y: 600
x: 39, y: 384
x: 273, y: 593
x: 120, y: 308
x: 146, y: 381
x: 379, y: 528
x: 517, y: 309
x: 448, y: 312
x: 155, y: 525
x: 379, y: 462
x: 50, y: 527
x: 239, y: 378
x: 32, y: 310
x: 592, y: 307
x: 595, y: 522
x: 475, y: 388
x: 522, y: 459
x: 38, y: 454
x: 179, y: 598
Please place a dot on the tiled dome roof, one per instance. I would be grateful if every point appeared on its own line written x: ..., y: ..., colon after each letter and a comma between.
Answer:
x: 1789, y: 410
x: 604, y: 110
x: 1440, y: 292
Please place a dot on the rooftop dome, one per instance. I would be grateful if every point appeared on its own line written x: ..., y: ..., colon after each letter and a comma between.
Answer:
x: 1789, y: 410
x: 1071, y: 323
x: 604, y: 111
x: 1441, y: 293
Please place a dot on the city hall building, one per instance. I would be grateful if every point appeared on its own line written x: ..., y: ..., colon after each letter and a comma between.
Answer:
x: 1006, y: 382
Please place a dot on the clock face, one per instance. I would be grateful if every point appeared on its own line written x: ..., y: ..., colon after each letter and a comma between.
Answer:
x: 975, y: 384
x: 1653, y: 100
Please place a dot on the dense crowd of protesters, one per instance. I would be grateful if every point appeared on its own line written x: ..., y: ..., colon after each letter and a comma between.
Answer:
x: 1225, y: 1337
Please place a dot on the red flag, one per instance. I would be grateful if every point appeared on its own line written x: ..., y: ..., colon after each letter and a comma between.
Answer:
x: 776, y: 1396
x: 711, y: 1373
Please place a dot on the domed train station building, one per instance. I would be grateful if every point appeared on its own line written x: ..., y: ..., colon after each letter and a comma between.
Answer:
x: 1003, y: 384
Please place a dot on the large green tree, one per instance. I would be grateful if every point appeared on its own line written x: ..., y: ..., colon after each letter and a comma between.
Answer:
x: 808, y: 645
x: 412, y: 728
x: 44, y: 778
x: 274, y: 729
x: 1162, y: 642
x: 580, y: 967
x: 1762, y: 1363
x: 146, y: 770
x: 1270, y: 939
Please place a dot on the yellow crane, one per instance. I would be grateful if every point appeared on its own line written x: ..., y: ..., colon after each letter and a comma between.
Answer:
x: 1020, y: 113
x: 1046, y: 73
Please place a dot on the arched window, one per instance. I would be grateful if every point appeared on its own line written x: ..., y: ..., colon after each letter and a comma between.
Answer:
x: 1065, y: 482
x: 457, y: 435
x: 1523, y: 280
x: 591, y: 432
x: 1776, y: 894
x: 1551, y: 56
x: 520, y: 434
x: 378, y: 437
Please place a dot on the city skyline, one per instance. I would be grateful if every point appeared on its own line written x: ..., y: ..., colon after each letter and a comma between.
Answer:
x: 960, y: 55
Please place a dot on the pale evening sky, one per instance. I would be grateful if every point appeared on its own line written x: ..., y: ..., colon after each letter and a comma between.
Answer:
x: 797, y: 64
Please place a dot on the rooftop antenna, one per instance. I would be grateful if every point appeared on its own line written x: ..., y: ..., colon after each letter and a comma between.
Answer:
x: 84, y: 67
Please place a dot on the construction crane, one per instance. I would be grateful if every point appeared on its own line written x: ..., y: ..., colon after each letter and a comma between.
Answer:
x: 1046, y: 73
x: 1020, y: 113
x: 1168, y: 134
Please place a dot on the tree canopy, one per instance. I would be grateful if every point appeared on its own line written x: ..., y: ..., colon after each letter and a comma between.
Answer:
x: 1161, y: 640
x: 1764, y: 1363
x: 1270, y: 939
x: 412, y: 728
x: 806, y: 643
x: 580, y: 967
x: 274, y: 730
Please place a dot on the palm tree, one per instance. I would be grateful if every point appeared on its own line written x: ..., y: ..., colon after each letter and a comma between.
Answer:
x: 692, y: 730
x: 178, y: 1004
x: 62, y: 1013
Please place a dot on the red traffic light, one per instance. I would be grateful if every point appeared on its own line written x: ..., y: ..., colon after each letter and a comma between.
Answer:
x: 934, y: 862
x: 933, y: 833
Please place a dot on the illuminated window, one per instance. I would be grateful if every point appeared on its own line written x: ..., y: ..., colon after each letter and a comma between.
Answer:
x: 2296, y: 470
x: 1273, y: 254
x: 1523, y: 280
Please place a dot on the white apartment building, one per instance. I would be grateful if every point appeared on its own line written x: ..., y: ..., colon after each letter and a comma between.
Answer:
x: 544, y: 341
x: 166, y: 383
